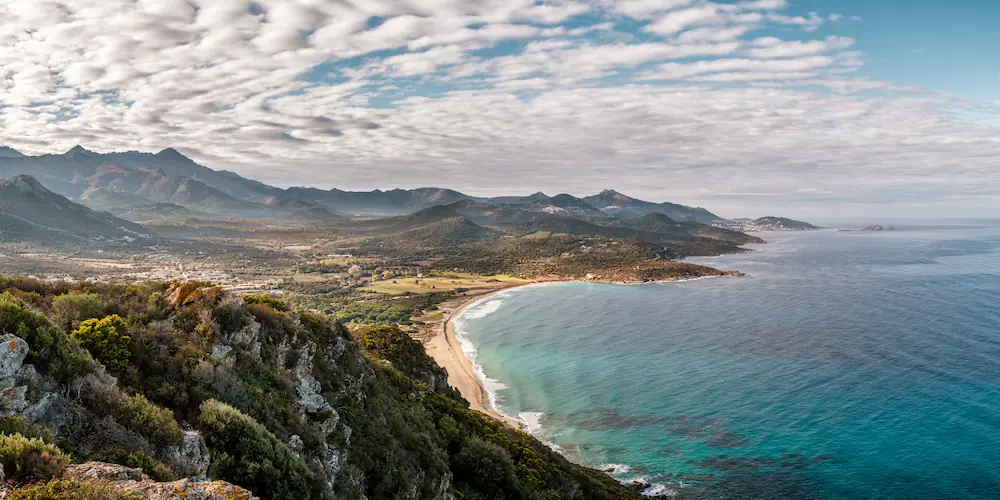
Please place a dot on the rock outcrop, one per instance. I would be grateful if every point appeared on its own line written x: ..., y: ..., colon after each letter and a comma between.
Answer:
x: 133, y: 480
x: 13, y: 397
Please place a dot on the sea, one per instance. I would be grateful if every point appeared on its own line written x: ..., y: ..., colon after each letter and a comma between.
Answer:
x: 844, y: 365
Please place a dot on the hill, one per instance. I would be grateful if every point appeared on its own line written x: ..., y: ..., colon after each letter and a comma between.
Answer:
x: 290, y: 405
x: 764, y: 224
x: 31, y: 213
x: 618, y: 205
x: 439, y: 234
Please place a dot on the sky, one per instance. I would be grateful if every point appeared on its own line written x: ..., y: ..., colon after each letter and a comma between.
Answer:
x: 747, y: 107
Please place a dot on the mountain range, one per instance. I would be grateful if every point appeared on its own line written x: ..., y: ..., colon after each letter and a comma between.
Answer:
x: 113, y: 181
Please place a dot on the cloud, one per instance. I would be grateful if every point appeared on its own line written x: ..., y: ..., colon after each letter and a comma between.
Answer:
x: 669, y: 99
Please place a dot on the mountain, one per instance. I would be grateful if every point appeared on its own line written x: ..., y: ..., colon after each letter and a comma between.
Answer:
x: 377, y: 202
x: 618, y: 205
x: 403, y: 223
x: 31, y: 213
x: 438, y: 234
x: 106, y: 181
x: 122, y: 179
x: 764, y: 224
x: 156, y: 212
x: 6, y: 152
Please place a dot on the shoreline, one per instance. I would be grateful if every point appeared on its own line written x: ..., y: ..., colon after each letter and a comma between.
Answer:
x: 442, y: 344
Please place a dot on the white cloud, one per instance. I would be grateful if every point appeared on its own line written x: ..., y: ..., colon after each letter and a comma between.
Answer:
x: 441, y: 92
x: 774, y: 48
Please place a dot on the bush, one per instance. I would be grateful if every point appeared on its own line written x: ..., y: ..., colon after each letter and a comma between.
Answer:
x: 276, y: 304
x: 72, y: 308
x: 73, y: 489
x: 16, y: 424
x: 137, y: 460
x: 244, y: 452
x: 105, y: 339
x: 134, y: 412
x: 52, y: 350
x: 26, y: 460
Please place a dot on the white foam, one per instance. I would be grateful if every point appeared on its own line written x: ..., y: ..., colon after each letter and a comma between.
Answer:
x: 615, y: 469
x: 532, y: 421
x: 660, y: 490
x: 480, y: 309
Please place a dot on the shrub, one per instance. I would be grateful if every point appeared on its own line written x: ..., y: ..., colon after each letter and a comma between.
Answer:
x: 137, y: 460
x: 27, y: 460
x: 51, y: 350
x: 273, y: 303
x: 73, y: 489
x: 105, y: 339
x: 134, y: 412
x: 72, y: 308
x: 244, y: 452
x: 16, y: 424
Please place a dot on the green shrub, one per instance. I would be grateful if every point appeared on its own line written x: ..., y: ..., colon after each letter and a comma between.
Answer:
x: 74, y: 307
x: 273, y: 303
x: 52, y: 351
x: 137, y: 460
x: 73, y: 489
x: 16, y: 424
x: 244, y: 452
x: 105, y: 339
x: 155, y: 423
x: 134, y: 412
x: 27, y: 460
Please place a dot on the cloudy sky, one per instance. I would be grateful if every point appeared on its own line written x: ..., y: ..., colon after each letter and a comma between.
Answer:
x: 798, y: 107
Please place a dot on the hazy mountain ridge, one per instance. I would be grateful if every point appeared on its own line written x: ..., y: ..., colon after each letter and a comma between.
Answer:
x: 31, y: 213
x: 132, y: 178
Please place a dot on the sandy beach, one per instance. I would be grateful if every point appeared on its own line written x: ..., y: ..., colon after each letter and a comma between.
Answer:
x: 444, y: 348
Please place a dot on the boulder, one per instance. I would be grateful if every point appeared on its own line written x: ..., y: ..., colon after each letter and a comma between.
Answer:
x: 191, y: 457
x: 13, y: 350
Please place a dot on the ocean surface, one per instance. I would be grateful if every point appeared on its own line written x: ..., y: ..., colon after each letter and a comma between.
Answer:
x: 845, y: 365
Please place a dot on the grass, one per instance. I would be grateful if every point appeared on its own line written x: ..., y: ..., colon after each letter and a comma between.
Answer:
x: 443, y: 283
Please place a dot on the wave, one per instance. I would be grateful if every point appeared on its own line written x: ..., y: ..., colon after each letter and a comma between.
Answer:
x: 532, y: 421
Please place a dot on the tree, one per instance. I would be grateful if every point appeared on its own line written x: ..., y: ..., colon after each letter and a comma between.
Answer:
x: 106, y: 341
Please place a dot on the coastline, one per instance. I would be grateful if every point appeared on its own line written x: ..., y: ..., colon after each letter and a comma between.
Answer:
x: 441, y: 342
x: 443, y: 346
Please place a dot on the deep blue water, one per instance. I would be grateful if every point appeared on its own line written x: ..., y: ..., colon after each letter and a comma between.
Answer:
x: 844, y: 365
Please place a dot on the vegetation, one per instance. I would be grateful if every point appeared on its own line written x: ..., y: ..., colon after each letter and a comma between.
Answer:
x: 249, y: 455
x: 444, y: 283
x: 26, y: 460
x: 369, y: 401
x: 137, y: 459
x: 73, y: 489
x: 273, y: 303
x: 105, y: 339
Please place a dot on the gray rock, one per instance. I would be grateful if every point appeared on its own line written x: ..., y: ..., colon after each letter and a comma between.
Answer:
x: 191, y: 457
x: 14, y: 399
x: 295, y: 444
x: 223, y: 353
x: 13, y: 350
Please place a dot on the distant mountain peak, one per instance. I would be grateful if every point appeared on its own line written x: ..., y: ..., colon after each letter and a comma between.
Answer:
x: 78, y: 150
x: 26, y: 184
x: 171, y: 153
x: 611, y: 193
x: 8, y: 152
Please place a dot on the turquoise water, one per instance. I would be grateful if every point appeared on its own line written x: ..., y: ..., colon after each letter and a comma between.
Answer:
x: 845, y: 365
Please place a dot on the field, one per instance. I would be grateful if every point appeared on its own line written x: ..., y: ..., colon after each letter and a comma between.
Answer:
x: 444, y: 283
